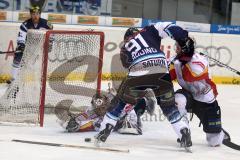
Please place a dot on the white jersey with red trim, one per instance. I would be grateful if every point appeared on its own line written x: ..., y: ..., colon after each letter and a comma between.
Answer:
x: 90, y: 121
x: 194, y: 77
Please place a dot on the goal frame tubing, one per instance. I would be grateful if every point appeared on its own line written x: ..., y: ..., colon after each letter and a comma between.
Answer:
x: 45, y: 64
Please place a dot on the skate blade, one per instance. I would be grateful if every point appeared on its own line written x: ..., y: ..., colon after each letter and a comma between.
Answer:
x: 98, y: 143
x: 188, y: 149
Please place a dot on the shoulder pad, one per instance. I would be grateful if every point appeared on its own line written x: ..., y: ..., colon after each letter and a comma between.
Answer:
x: 25, y: 22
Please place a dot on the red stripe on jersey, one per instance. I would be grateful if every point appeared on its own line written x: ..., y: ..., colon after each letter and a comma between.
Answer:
x: 85, y: 115
x: 190, y: 76
x: 172, y: 72
x: 87, y: 127
x: 213, y: 86
x: 199, y: 63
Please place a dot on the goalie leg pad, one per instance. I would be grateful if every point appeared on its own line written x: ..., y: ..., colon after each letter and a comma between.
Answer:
x: 128, y: 124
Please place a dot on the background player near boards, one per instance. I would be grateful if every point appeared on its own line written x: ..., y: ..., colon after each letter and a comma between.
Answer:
x: 35, y: 22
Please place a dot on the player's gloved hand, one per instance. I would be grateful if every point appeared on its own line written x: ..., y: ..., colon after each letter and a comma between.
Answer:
x: 72, y: 125
x: 124, y: 58
x: 20, y: 47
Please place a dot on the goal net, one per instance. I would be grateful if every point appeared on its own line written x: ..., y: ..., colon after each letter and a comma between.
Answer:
x: 56, y: 66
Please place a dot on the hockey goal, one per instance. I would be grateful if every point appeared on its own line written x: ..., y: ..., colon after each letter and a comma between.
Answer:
x: 56, y: 66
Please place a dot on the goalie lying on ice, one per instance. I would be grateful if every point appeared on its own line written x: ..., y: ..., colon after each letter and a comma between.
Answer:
x: 91, y: 118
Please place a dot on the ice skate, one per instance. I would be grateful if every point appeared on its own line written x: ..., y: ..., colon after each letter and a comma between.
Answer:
x: 185, y: 141
x: 102, y: 136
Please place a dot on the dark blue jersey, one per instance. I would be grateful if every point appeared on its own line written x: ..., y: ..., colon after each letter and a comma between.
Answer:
x: 28, y: 24
x: 142, y: 54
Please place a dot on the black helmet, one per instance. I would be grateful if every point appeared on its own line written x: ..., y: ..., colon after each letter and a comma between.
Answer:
x: 130, y: 32
x: 34, y: 9
x: 187, y: 49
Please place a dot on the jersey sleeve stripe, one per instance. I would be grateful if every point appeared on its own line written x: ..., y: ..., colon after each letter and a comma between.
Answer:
x: 213, y: 86
x: 23, y: 28
x: 190, y: 76
x: 195, y: 74
x: 172, y: 72
x: 147, y: 57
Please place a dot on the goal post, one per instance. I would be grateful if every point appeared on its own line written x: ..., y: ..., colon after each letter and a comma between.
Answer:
x: 56, y: 65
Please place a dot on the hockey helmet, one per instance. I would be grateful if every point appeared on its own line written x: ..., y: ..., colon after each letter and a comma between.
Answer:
x: 100, y: 104
x: 187, y: 49
x: 34, y: 9
x: 130, y: 32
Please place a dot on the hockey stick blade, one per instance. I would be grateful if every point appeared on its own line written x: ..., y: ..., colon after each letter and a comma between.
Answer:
x: 231, y: 145
x: 227, y: 142
x: 188, y: 149
x: 71, y: 146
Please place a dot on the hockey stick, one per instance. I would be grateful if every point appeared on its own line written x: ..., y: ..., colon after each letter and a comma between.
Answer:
x: 227, y: 142
x: 231, y: 145
x: 71, y: 146
x: 9, y: 52
x: 220, y: 63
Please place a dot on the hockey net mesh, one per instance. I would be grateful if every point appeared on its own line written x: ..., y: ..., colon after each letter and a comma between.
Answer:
x: 72, y: 73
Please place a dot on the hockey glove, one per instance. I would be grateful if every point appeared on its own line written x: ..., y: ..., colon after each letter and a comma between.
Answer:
x: 20, y: 47
x: 72, y: 125
x: 124, y: 58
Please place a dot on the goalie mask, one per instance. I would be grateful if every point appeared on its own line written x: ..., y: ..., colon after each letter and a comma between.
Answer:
x: 100, y: 104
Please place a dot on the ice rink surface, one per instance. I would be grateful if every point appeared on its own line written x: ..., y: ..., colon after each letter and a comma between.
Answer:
x: 157, y: 142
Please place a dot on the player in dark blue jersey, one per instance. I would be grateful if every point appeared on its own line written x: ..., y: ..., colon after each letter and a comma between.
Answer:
x: 148, y: 76
x: 35, y: 22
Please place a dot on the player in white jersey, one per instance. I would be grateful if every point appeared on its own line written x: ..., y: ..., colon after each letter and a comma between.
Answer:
x: 198, y: 93
x: 148, y: 77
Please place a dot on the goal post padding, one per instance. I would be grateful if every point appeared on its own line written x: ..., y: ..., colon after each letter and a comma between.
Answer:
x: 56, y: 66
